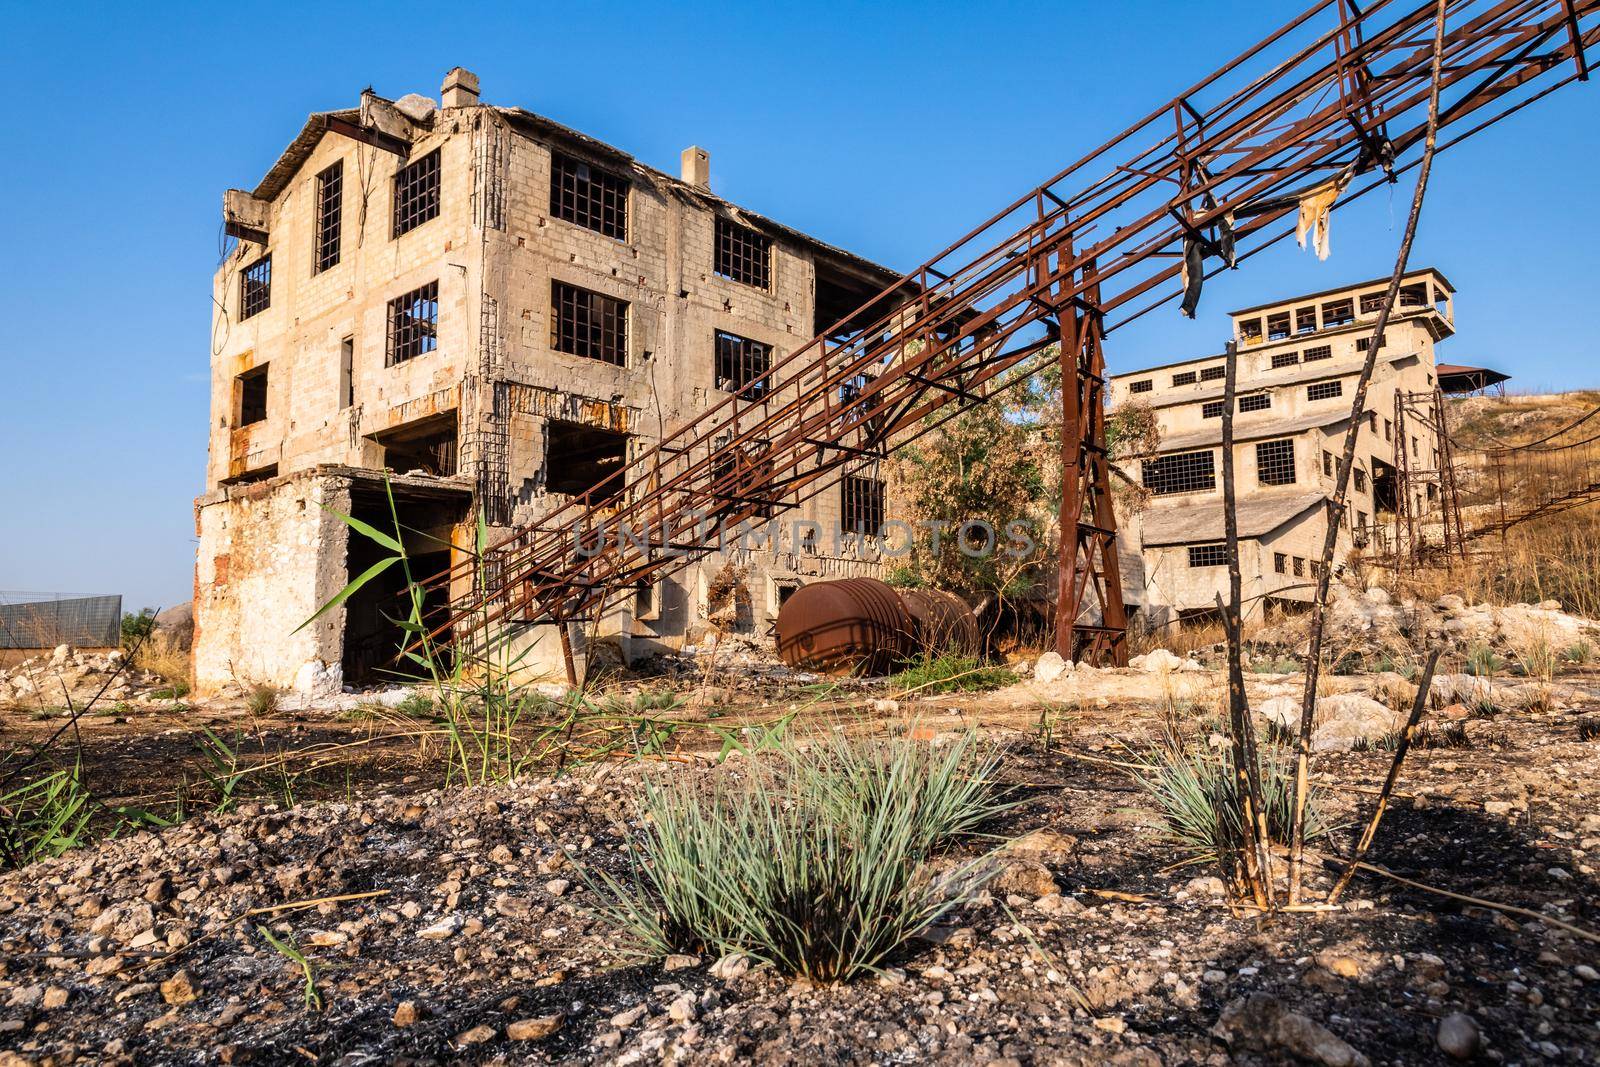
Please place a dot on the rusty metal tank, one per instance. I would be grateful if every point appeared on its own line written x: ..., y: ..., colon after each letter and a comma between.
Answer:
x: 850, y: 625
x: 943, y: 622
x: 862, y: 625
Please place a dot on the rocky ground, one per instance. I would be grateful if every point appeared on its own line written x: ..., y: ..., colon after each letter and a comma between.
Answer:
x: 454, y: 925
x: 462, y: 932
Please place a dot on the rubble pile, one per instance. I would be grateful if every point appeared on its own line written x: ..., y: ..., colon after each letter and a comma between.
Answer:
x: 70, y: 677
x: 1372, y: 625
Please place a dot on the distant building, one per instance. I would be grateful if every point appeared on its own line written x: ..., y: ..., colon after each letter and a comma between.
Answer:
x: 1299, y: 361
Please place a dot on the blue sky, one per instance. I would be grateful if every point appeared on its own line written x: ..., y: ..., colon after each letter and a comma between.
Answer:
x: 886, y: 128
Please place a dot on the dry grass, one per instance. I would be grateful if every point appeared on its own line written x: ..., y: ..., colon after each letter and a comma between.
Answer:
x: 1555, y: 558
x: 161, y: 655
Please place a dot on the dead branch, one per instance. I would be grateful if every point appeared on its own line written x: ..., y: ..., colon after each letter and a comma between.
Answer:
x: 1336, y: 506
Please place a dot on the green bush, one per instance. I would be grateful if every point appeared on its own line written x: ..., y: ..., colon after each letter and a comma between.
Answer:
x: 136, y: 626
x: 817, y: 861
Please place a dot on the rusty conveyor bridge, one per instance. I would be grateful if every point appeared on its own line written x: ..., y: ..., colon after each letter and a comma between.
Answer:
x: 1327, y: 108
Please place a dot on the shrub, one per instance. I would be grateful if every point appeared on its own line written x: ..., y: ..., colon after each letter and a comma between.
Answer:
x: 947, y: 672
x: 1482, y: 661
x: 137, y: 626
x: 816, y: 862
x: 1194, y: 790
x: 1579, y: 653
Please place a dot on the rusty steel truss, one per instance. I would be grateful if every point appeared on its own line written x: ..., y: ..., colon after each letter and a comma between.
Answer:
x: 1334, y: 100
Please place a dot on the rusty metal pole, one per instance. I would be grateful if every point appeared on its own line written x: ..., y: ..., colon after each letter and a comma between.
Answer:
x: 1069, y: 330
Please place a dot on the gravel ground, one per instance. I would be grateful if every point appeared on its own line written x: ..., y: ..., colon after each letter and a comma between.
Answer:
x: 477, y: 942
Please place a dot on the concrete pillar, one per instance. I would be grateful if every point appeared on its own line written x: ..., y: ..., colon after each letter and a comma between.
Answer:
x: 696, y: 168
x: 460, y: 88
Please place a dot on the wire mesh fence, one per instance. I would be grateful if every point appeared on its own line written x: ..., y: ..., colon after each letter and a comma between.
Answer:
x: 45, y: 620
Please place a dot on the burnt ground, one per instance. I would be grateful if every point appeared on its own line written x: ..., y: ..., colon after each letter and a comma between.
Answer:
x: 145, y: 949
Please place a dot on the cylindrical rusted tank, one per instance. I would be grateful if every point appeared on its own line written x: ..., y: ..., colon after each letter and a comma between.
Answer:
x: 865, y: 626
x: 943, y: 621
x: 853, y: 624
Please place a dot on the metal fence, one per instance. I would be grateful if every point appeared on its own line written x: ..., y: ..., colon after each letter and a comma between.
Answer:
x: 44, y: 621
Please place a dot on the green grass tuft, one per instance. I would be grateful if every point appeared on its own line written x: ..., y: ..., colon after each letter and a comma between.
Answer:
x: 817, y: 861
x: 951, y: 673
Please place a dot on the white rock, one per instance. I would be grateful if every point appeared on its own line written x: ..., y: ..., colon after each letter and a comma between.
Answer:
x: 1050, y: 667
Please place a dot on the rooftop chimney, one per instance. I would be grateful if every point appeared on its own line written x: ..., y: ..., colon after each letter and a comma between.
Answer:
x: 460, y: 88
x: 697, y: 166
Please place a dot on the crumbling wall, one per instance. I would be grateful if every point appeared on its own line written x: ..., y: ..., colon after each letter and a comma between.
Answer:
x: 270, y: 554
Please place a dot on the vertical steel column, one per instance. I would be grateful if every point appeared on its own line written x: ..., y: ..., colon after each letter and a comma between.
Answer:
x: 1087, y: 545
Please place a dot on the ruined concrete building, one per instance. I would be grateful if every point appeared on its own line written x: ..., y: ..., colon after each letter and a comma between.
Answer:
x: 1299, y: 359
x: 499, y: 311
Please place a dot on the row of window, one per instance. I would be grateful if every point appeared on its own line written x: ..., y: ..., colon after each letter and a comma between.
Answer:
x: 1338, y: 312
x: 1217, y: 556
x: 579, y: 193
x: 1213, y: 409
x: 1219, y: 371
x: 1196, y: 472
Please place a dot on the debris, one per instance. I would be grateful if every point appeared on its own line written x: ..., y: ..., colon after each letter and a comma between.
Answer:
x: 1259, y: 1022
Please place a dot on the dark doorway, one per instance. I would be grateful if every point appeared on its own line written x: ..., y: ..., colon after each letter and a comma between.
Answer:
x: 372, y: 638
x: 578, y: 457
x: 1384, y: 486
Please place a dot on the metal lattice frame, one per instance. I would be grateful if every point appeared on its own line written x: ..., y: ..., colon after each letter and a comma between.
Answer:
x: 1338, y: 94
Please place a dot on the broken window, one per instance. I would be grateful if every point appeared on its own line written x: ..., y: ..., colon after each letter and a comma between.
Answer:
x: 1143, y: 385
x: 1299, y: 567
x: 427, y: 446
x: 1285, y: 359
x: 1325, y: 390
x: 742, y: 478
x: 1255, y: 402
x: 742, y: 365
x: 252, y: 391
x: 742, y: 254
x: 1363, y: 343
x: 1311, y: 355
x: 1415, y: 454
x: 330, y: 191
x: 1327, y: 463
x: 1214, y: 374
x: 413, y: 324
x: 1184, y: 378
x: 1338, y: 313
x: 577, y: 458
x: 1280, y: 562
x: 1208, y: 555
x: 347, y: 372
x: 588, y: 196
x: 416, y: 193
x: 1278, y: 326
x: 1388, y: 430
x: 1305, y: 320
x: 588, y: 324
x: 1250, y: 331
x: 1212, y: 409
x: 255, y: 287
x: 1414, y: 296
x: 1371, y: 303
x: 1360, y: 477
x: 861, y: 504
x: 1275, y: 462
x: 1184, y: 472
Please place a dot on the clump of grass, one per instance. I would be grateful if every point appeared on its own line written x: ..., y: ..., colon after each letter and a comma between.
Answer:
x: 416, y: 705
x: 817, y: 862
x: 1589, y: 728
x: 1429, y: 735
x: 45, y: 817
x: 1578, y: 653
x: 262, y: 699
x: 1194, y: 789
x: 947, y: 672
x: 1482, y: 662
